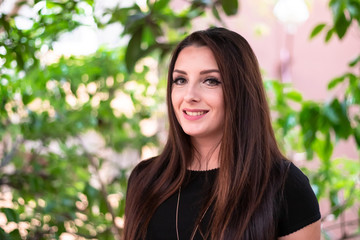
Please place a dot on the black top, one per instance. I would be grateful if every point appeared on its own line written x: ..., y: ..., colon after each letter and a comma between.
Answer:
x: 299, y: 209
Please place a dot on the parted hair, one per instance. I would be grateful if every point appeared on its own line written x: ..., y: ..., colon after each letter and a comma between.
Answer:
x: 247, y: 190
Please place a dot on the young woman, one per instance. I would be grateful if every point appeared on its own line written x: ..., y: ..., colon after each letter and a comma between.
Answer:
x: 221, y: 174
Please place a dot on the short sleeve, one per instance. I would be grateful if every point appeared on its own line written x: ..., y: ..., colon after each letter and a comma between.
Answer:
x: 300, y: 206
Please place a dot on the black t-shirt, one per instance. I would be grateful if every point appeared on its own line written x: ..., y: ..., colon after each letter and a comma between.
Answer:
x: 300, y: 207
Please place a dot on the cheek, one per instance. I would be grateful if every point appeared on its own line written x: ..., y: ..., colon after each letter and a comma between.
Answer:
x: 175, y: 106
x: 175, y: 99
x: 218, y: 100
x: 175, y: 103
x: 221, y: 107
x: 222, y: 103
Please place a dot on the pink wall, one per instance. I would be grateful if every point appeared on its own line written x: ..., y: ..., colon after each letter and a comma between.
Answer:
x: 314, y: 62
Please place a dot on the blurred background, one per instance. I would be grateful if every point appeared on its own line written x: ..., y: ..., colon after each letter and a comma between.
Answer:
x: 82, y: 100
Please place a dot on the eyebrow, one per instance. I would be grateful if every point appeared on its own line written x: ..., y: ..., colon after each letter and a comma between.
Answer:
x: 202, y: 72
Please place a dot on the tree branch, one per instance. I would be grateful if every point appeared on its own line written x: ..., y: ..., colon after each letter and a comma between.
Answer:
x: 8, y: 156
x: 103, y: 190
x: 337, y: 225
x: 343, y: 205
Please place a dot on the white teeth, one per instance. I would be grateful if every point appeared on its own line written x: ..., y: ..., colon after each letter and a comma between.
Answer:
x: 195, y: 113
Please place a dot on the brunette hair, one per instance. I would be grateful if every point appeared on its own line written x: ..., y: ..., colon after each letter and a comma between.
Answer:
x: 252, y: 169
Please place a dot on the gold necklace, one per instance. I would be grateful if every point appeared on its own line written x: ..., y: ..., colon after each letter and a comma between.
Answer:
x: 177, y: 219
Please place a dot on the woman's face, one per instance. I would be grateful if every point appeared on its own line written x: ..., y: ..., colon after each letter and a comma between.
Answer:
x: 197, y: 95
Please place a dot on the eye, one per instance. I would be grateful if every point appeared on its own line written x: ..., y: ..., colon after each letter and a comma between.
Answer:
x: 179, y: 81
x: 212, y: 81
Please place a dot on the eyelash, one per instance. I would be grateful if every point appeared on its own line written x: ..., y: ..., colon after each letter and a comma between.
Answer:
x: 212, y: 81
x: 207, y: 81
x: 176, y: 80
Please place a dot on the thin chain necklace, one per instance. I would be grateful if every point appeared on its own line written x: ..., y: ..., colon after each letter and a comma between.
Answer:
x: 177, y: 219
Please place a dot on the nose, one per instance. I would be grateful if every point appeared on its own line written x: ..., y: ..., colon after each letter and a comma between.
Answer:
x: 192, y: 93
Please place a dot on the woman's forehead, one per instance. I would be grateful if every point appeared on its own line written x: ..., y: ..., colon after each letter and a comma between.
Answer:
x: 195, y: 57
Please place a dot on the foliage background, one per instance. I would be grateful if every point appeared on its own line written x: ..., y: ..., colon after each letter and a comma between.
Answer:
x: 71, y: 126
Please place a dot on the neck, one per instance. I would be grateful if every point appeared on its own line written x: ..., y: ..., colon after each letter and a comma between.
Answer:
x: 206, y: 155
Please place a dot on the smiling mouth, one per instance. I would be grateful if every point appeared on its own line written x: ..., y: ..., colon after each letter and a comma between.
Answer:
x: 195, y: 113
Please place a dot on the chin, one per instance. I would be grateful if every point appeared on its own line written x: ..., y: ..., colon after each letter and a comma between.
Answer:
x: 195, y: 134
x: 192, y: 133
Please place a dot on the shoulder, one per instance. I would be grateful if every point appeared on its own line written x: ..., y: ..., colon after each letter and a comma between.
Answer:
x: 300, y: 207
x: 296, y: 178
x: 140, y: 168
x: 298, y: 185
x: 143, y: 165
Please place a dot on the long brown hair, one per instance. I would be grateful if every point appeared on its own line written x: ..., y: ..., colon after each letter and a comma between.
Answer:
x: 252, y: 169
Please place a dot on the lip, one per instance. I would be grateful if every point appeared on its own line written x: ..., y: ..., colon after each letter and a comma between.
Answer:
x: 194, y: 117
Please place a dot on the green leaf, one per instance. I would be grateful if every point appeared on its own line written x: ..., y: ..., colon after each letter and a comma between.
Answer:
x: 329, y: 35
x: 27, y: 98
x: 334, y: 198
x: 121, y: 209
x: 337, y: 115
x: 324, y: 148
x: 353, y: 7
x: 135, y: 22
x: 331, y: 112
x: 230, y: 6
x: 105, y: 235
x: 160, y: 4
x: 317, y: 30
x: 61, y: 228
x: 4, y: 235
x: 91, y: 194
x: 310, y: 117
x: 149, y: 35
x: 90, y: 2
x: 215, y: 12
x: 51, y: 4
x: 15, y: 235
x: 289, y: 123
x: 357, y: 136
x: 333, y: 83
x: 341, y: 25
x: 103, y: 205
x: 11, y: 215
x: 337, y: 8
x: 354, y: 62
x: 4, y: 23
x: 296, y: 96
x: 133, y: 50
